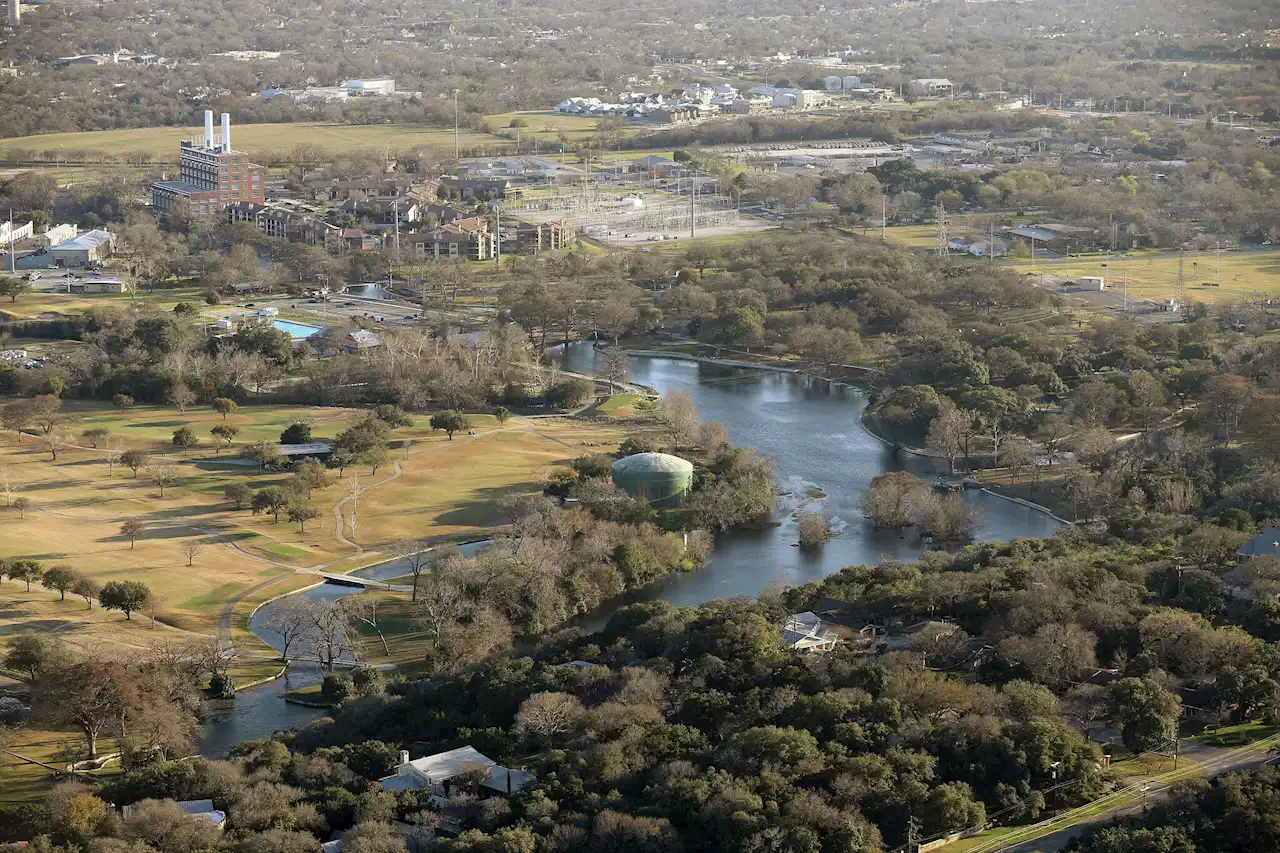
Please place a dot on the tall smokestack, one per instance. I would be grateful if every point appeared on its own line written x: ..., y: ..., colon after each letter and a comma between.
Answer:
x: 15, y: 11
x: 226, y: 131
x: 208, y: 128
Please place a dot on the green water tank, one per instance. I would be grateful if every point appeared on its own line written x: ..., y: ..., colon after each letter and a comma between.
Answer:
x: 659, y: 478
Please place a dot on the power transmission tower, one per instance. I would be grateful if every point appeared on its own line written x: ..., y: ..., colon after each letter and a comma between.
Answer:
x: 943, y: 246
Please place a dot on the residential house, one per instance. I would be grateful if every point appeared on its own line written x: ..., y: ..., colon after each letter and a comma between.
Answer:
x: 432, y: 773
x: 196, y: 808
x: 806, y: 632
x: 473, y: 188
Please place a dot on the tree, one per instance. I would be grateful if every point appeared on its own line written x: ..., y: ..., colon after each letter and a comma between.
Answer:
x: 26, y: 571
x: 612, y: 366
x: 182, y: 397
x: 1145, y: 711
x: 310, y: 475
x: 18, y: 416
x: 296, y: 433
x: 892, y: 499
x: 302, y: 513
x: 125, y: 596
x: 30, y: 652
x: 14, y: 287
x: 289, y: 619
x: 112, y: 453
x: 184, y: 438
x: 133, y: 529
x: 501, y: 413
x: 812, y: 529
x: 133, y: 460
x: 1019, y: 454
x: 95, y: 436
x: 224, y: 406
x: 681, y: 415
x: 450, y: 422
x: 1226, y: 397
x: 270, y: 499
x: 239, y: 494
x: 949, y: 436
x: 153, y: 605
x: 416, y: 555
x: 162, y: 473
x: 191, y: 549
x: 60, y: 578
x: 22, y: 504
x: 89, y: 695
x: 8, y: 483
x: 264, y: 454
x: 122, y: 402
x: 376, y: 457
x: 55, y: 441
x: 225, y: 434
x: 546, y: 716
x: 88, y: 589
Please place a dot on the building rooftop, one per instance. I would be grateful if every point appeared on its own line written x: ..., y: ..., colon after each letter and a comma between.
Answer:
x: 654, y: 462
x: 87, y: 240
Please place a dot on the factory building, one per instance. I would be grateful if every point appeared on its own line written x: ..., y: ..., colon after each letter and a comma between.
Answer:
x: 211, y: 176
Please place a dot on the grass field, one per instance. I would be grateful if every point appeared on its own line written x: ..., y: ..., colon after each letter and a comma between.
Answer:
x: 543, y: 127
x: 162, y: 142
x: 435, y: 487
x: 1245, y: 274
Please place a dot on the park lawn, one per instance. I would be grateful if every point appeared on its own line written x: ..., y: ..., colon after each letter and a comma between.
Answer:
x: 24, y: 782
x: 545, y: 126
x: 453, y: 486
x: 1238, y: 735
x: 911, y: 236
x: 37, y: 303
x: 397, y: 617
x: 1245, y: 274
x: 161, y: 143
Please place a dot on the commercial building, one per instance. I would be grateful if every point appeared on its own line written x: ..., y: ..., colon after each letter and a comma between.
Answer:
x: 932, y: 87
x: 375, y: 88
x: 57, y: 234
x: 539, y: 237
x: 451, y: 241
x: 89, y: 248
x: 212, y: 175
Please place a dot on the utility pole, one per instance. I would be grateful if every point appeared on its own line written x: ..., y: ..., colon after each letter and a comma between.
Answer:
x: 884, y: 217
x: 1182, y: 280
x: 1125, y: 275
x: 913, y: 835
x: 693, y: 202
x: 497, y: 255
x: 1217, y: 275
x: 13, y: 261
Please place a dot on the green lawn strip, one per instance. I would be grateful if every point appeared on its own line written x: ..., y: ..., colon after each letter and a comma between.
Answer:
x: 212, y: 598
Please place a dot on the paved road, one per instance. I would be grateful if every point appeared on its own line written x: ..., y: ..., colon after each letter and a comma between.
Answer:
x: 1215, y: 760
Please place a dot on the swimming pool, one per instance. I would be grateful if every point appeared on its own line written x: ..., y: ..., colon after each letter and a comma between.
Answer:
x: 297, y: 331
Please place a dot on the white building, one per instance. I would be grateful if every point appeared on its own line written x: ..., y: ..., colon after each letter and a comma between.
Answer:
x: 9, y: 232
x: 57, y: 234
x: 376, y: 87
x: 432, y: 772
x: 89, y: 248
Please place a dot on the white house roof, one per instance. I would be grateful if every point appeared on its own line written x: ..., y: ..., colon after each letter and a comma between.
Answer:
x: 443, y: 766
x: 806, y: 631
x: 87, y: 240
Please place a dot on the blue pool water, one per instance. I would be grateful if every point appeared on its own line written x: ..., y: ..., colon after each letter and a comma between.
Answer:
x: 297, y: 331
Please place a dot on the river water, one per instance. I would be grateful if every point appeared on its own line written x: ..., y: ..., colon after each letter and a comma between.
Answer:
x: 825, y: 461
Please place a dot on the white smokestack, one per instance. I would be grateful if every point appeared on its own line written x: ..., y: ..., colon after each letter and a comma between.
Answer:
x: 208, y: 128
x: 226, y: 131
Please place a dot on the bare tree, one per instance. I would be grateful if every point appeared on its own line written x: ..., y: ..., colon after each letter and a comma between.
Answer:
x: 8, y: 483
x: 416, y: 556
x: 153, y: 605
x: 681, y: 414
x: 364, y: 611
x: 163, y: 473
x: 191, y: 549
x: 133, y: 529
x: 331, y: 632
x: 111, y: 452
x: 290, y: 620
x: 215, y: 654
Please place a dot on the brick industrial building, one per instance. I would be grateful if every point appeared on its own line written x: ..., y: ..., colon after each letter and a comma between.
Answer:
x: 211, y: 177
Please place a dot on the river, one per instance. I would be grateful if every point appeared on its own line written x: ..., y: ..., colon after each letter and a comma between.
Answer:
x: 811, y: 428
